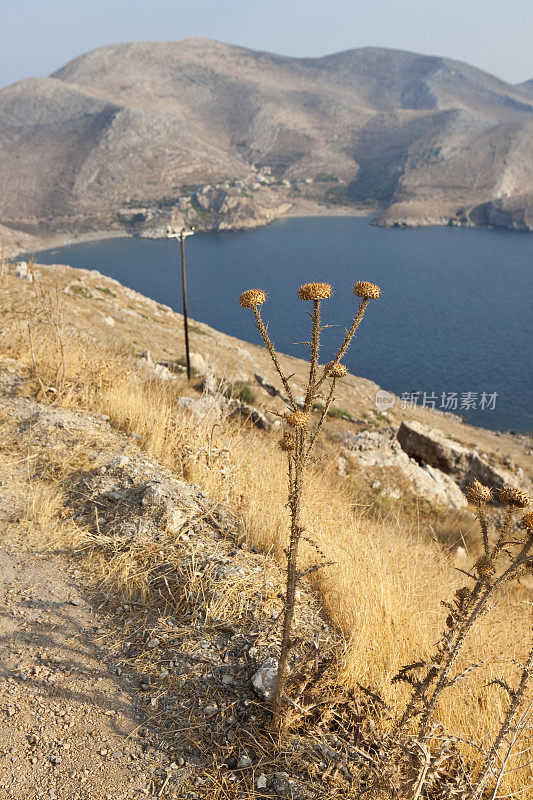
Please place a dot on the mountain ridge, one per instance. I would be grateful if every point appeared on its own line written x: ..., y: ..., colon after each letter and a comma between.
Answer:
x: 421, y: 139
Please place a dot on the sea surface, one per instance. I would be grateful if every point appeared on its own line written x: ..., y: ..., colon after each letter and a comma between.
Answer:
x: 453, y: 329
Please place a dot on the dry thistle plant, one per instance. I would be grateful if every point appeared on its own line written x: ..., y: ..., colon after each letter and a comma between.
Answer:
x: 298, y: 441
x: 51, y: 308
x: 506, y: 556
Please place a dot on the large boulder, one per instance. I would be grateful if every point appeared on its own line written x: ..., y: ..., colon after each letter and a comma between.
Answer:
x: 370, y: 449
x: 432, y: 448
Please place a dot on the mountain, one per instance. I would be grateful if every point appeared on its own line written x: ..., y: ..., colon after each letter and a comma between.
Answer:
x: 422, y: 139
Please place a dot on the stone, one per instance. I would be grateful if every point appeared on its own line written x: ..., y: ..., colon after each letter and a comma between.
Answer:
x: 284, y: 786
x: 382, y: 449
x: 175, y: 521
x: 119, y: 462
x: 22, y: 271
x: 433, y: 448
x: 244, y: 761
x: 163, y: 372
x: 261, y: 781
x: 198, y: 363
x: 109, y: 321
x: 153, y: 495
x: 264, y: 680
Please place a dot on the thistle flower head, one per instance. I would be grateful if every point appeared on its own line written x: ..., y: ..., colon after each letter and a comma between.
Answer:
x: 477, y: 493
x: 287, y: 442
x: 252, y: 298
x: 366, y: 290
x: 484, y: 567
x: 516, y: 498
x: 336, y: 370
x: 298, y: 419
x: 527, y: 522
x: 314, y: 291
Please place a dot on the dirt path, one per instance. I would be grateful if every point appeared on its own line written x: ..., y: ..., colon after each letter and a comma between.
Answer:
x: 71, y: 726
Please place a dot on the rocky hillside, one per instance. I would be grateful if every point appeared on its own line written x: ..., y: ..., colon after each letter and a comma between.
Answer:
x: 144, y: 523
x: 401, y: 455
x: 130, y: 130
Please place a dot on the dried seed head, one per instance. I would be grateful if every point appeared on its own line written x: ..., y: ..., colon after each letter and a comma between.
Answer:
x: 477, y: 493
x: 527, y: 522
x: 298, y: 419
x: 252, y: 298
x: 484, y: 567
x: 463, y: 593
x: 366, y: 290
x: 314, y: 291
x: 336, y: 370
x: 287, y: 442
x: 516, y: 498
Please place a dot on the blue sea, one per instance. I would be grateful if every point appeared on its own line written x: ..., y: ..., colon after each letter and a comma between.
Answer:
x: 453, y: 328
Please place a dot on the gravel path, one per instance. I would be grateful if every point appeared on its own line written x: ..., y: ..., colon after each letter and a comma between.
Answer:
x: 71, y: 726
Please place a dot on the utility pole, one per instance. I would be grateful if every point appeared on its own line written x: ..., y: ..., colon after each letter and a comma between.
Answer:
x: 181, y: 235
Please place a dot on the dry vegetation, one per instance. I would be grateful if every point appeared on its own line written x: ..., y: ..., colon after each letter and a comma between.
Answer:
x: 385, y: 589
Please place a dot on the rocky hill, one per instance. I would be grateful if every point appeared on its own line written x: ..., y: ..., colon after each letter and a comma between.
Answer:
x: 132, y: 131
x: 143, y: 530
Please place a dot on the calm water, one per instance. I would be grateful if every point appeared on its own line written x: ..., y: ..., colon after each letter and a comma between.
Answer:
x: 455, y: 316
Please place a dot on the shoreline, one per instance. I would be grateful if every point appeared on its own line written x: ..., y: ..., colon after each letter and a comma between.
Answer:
x: 301, y: 208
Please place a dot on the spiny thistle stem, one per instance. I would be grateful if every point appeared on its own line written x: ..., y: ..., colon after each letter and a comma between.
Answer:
x: 483, y: 525
x: 291, y: 585
x: 315, y: 344
x: 298, y: 444
x: 323, y: 416
x: 468, y: 606
x: 516, y: 697
x: 464, y: 629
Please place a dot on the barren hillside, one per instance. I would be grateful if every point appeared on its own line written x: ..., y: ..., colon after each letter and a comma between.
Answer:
x: 153, y: 634
x: 144, y: 125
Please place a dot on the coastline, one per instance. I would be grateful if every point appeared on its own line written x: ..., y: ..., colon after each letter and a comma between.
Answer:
x: 301, y: 208
x: 20, y: 243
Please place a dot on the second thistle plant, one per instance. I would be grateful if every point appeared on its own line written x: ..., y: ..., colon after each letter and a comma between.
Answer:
x: 299, y: 439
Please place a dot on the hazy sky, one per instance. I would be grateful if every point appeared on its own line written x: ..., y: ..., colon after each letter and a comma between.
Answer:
x: 39, y: 36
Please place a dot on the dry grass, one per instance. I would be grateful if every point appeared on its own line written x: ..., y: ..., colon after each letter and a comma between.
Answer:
x: 385, y: 589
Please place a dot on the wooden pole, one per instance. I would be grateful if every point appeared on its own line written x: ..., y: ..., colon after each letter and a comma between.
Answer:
x: 184, y: 295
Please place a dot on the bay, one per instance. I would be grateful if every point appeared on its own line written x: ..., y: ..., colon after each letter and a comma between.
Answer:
x: 454, y: 324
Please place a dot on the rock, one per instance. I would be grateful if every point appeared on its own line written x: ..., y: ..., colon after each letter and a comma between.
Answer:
x: 284, y: 786
x: 249, y: 413
x: 264, y: 680
x: 382, y: 449
x: 261, y: 781
x: 210, y: 710
x: 163, y: 372
x: 244, y: 761
x: 22, y: 271
x: 153, y: 495
x: 109, y: 321
x: 272, y: 390
x: 341, y: 464
x: 118, y: 462
x: 198, y: 363
x: 433, y: 448
x: 242, y: 353
x: 176, y: 519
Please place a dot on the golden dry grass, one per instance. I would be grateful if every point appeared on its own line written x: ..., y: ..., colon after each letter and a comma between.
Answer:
x: 386, y: 587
